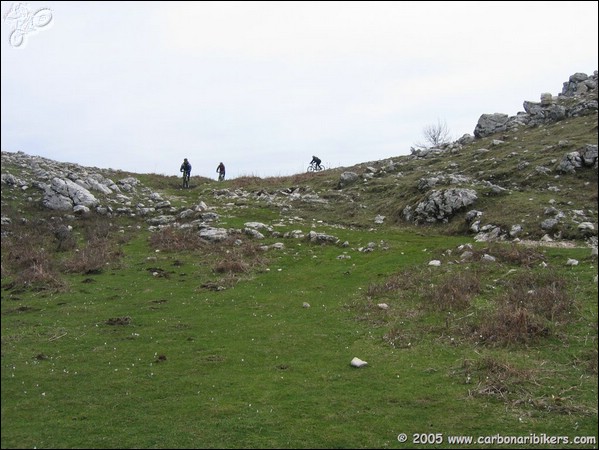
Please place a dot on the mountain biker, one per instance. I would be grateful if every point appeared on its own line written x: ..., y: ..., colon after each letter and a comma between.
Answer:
x: 316, y: 160
x: 186, y: 169
x: 221, y: 171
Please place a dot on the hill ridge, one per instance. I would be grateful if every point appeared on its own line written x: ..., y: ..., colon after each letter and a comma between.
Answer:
x: 550, y: 150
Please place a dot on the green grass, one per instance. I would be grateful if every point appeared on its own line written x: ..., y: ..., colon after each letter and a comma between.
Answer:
x: 158, y: 340
x: 249, y: 367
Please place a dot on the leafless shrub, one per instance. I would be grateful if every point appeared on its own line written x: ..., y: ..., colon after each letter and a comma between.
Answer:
x: 528, y: 309
x: 454, y: 292
x: 228, y: 265
x: 93, y: 258
x: 491, y: 377
x: 435, y: 135
x: 544, y: 294
x: 98, y: 229
x: 404, y: 281
x: 509, y: 325
x: 517, y: 387
x: 239, y: 258
x: 28, y: 261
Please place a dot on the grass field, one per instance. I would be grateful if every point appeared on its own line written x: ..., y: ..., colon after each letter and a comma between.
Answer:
x: 151, y: 353
x: 120, y: 335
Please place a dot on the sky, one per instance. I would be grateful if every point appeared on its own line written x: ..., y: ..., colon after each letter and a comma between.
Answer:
x: 264, y: 86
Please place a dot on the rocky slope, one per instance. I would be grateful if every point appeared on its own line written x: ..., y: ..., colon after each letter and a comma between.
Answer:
x: 475, y: 185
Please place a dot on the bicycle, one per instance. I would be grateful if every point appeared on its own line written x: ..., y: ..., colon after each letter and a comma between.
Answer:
x: 186, y: 176
x: 26, y: 21
x: 313, y: 167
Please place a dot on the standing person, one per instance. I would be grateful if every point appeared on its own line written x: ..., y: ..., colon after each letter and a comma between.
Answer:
x: 221, y: 171
x: 186, y: 169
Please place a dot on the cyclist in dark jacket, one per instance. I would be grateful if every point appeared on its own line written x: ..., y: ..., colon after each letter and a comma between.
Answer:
x: 221, y: 171
x: 186, y: 169
x: 316, y: 160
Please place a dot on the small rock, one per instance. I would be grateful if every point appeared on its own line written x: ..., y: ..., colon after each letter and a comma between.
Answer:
x: 357, y: 362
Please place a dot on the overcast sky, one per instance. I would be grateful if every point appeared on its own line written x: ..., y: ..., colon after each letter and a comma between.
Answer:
x: 263, y: 86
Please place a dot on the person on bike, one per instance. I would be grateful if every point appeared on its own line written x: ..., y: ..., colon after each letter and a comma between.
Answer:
x: 316, y: 160
x: 221, y: 171
x: 186, y: 169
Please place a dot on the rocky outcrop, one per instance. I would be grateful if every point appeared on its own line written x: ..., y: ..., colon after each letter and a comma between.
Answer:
x: 440, y: 206
x: 63, y: 194
x: 578, y: 98
x: 584, y: 157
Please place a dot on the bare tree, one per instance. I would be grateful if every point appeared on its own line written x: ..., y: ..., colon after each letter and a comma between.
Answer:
x: 435, y: 135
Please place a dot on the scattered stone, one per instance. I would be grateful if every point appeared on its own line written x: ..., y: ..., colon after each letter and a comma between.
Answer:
x: 357, y: 362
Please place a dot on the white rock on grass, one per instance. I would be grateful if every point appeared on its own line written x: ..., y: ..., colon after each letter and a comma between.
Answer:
x: 357, y: 362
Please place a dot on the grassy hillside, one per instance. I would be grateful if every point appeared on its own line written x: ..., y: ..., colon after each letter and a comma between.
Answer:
x: 119, y: 335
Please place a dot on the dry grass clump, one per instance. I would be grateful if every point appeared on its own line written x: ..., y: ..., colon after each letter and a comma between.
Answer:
x: 454, y: 293
x: 513, y: 254
x: 531, y: 306
x: 26, y: 259
x: 275, y: 182
x: 176, y: 239
x: 229, y: 265
x: 509, y: 325
x: 38, y: 271
x: 100, y: 249
x: 543, y: 293
x: 406, y: 281
x: 238, y: 258
x: 518, y: 310
x: 518, y: 387
x: 228, y: 258
x: 93, y: 258
x: 492, y: 377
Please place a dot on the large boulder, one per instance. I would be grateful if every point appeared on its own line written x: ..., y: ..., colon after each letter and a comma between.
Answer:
x: 63, y: 194
x: 440, y: 206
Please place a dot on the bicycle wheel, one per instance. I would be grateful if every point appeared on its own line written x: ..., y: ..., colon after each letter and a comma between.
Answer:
x: 42, y: 17
x: 311, y: 168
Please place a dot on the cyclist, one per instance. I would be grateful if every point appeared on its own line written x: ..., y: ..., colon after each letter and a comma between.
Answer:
x: 316, y: 161
x: 221, y: 171
x: 186, y: 169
